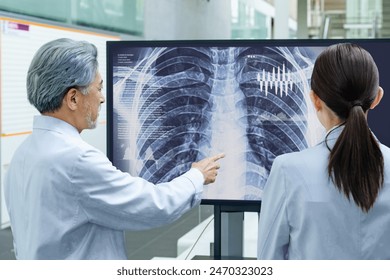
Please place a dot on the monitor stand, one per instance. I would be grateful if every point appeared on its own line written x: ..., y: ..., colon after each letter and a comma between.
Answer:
x: 229, y: 230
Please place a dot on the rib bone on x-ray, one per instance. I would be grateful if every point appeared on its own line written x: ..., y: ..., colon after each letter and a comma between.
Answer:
x: 177, y: 105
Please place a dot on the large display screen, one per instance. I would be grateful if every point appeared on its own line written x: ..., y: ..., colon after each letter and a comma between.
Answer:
x: 171, y: 103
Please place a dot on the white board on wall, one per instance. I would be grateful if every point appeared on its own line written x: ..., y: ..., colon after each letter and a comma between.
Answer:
x: 19, y: 40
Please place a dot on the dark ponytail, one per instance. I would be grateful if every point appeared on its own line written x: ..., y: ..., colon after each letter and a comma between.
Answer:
x: 356, y: 161
x: 346, y: 78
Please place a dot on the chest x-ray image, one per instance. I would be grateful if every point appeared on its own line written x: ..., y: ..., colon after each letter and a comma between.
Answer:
x: 174, y: 105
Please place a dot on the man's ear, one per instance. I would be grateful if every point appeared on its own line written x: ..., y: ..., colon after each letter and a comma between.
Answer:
x: 71, y: 99
x: 316, y: 101
x: 378, y: 98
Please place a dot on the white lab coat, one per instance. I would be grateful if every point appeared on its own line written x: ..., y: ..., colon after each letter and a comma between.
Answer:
x: 67, y: 201
x: 304, y: 216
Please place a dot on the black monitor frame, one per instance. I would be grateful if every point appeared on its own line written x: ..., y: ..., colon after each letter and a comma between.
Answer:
x: 377, y: 118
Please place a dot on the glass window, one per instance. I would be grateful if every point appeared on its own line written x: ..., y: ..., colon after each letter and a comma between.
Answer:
x: 52, y: 10
x: 121, y: 16
x: 114, y: 15
x: 247, y: 22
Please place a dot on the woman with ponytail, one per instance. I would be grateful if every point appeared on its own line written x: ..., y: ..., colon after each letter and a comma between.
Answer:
x: 332, y: 201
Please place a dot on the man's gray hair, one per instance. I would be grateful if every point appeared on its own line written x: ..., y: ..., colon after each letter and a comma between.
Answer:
x: 58, y: 66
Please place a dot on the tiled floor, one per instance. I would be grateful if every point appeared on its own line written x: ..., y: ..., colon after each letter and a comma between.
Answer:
x: 142, y: 245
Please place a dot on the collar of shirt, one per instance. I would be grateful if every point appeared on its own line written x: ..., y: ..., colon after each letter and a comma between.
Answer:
x: 42, y: 122
x: 333, y: 134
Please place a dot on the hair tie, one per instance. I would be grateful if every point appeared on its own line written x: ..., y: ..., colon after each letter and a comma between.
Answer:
x: 356, y: 103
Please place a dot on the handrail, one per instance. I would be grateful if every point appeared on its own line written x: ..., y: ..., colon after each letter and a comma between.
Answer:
x: 330, y: 21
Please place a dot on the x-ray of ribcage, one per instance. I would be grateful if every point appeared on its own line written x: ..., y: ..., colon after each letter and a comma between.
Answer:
x: 174, y: 106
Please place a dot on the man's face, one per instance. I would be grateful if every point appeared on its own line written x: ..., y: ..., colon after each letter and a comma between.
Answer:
x: 93, y: 101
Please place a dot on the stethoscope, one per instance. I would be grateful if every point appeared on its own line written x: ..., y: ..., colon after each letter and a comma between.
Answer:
x: 329, y: 132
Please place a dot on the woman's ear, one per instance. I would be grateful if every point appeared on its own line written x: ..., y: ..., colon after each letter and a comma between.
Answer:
x: 316, y: 101
x: 378, y: 98
x: 71, y: 99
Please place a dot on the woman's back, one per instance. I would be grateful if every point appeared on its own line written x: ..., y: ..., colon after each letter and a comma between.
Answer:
x: 311, y: 219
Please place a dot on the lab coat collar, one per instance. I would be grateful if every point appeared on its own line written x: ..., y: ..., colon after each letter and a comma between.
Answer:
x: 333, y: 134
x: 54, y: 124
